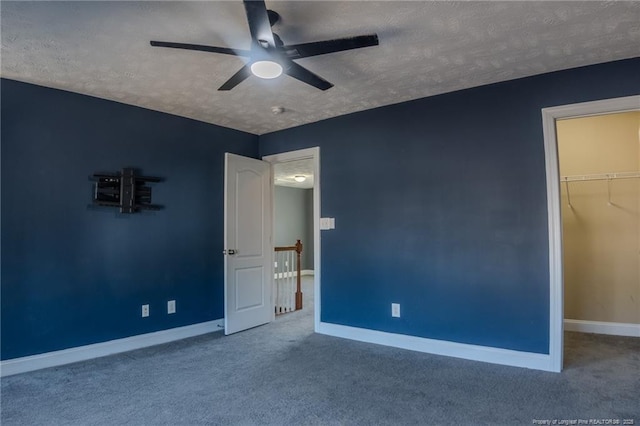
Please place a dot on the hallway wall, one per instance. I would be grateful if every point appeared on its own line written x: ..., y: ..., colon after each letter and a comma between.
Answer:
x: 294, y: 220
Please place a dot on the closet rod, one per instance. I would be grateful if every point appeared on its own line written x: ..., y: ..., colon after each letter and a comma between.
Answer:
x: 601, y: 176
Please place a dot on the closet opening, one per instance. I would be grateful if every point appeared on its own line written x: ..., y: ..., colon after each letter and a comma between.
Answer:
x: 599, y: 164
x: 599, y: 167
x: 592, y: 154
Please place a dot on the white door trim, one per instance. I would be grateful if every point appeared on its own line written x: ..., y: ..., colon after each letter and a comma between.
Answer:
x: 556, y: 284
x: 303, y: 154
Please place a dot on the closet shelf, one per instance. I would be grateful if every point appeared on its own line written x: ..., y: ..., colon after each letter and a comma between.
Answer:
x: 600, y: 176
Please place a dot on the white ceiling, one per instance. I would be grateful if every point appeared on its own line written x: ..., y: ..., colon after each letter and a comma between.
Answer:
x: 285, y: 173
x: 426, y: 48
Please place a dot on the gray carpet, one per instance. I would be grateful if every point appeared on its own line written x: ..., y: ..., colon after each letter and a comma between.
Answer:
x: 283, y: 373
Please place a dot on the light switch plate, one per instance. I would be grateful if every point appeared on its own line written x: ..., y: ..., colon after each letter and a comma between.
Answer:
x: 327, y: 223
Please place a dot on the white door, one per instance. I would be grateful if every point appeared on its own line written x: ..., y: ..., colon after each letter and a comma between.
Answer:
x: 248, y: 267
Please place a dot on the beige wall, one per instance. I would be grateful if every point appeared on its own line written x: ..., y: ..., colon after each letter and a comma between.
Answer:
x: 601, y: 241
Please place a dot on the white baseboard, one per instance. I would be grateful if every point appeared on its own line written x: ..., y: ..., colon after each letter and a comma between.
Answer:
x: 82, y: 353
x: 440, y: 347
x: 599, y: 327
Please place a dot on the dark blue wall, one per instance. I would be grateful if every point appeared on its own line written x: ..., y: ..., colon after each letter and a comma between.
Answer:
x: 72, y: 275
x: 440, y: 205
x: 442, y: 199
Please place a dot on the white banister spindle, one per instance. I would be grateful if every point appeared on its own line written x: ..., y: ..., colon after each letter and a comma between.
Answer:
x: 281, y: 263
x: 289, y: 281
x: 294, y: 267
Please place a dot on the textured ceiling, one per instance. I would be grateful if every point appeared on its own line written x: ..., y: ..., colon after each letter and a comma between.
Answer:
x: 426, y: 48
x: 284, y: 173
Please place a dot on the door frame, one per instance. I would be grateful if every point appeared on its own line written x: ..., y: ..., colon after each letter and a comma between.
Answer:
x: 556, y: 283
x: 304, y: 154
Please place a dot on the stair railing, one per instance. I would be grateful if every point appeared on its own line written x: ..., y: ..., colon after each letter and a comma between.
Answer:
x: 287, y: 279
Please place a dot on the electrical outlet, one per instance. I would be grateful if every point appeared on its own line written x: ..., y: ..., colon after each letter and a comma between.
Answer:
x: 171, y: 307
x: 395, y: 310
x: 145, y: 311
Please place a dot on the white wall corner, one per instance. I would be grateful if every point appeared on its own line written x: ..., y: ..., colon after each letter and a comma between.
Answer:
x: 97, y: 350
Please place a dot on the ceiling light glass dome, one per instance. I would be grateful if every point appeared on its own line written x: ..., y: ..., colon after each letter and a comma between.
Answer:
x: 266, y: 69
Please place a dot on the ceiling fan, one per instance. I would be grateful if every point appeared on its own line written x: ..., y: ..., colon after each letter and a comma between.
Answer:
x: 269, y: 57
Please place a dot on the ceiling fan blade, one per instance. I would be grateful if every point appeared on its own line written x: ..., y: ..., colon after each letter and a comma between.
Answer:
x: 212, y: 49
x: 301, y: 73
x: 304, y: 50
x: 237, y: 78
x: 259, y: 24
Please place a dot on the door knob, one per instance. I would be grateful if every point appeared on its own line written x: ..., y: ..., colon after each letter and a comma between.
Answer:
x: 230, y: 251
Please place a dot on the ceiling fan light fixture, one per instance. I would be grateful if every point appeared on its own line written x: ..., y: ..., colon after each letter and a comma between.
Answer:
x: 269, y: 56
x: 266, y: 69
x: 299, y: 178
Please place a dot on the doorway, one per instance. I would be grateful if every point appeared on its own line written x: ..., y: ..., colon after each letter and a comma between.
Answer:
x: 551, y: 117
x: 286, y: 166
x: 599, y: 174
